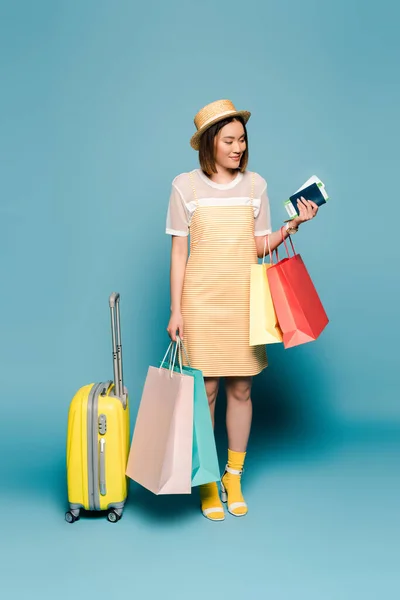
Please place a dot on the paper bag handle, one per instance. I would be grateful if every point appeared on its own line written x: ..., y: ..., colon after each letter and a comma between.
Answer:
x: 291, y: 243
x: 286, y: 246
x: 269, y: 250
x: 172, y: 359
x: 181, y: 347
x: 172, y: 352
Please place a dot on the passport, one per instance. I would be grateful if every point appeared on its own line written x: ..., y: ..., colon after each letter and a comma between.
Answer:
x: 313, y: 189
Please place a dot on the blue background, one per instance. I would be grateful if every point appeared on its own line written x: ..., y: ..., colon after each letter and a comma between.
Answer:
x: 97, y: 101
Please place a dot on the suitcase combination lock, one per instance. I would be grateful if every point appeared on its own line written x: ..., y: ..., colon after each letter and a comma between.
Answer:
x: 102, y: 424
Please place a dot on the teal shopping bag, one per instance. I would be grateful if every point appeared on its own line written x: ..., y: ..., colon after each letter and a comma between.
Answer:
x: 205, y: 467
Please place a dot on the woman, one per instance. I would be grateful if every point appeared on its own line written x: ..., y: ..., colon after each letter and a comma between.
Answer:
x: 226, y: 210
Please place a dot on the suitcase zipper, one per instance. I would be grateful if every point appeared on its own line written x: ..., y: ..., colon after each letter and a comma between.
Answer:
x: 103, y: 489
x: 101, y: 391
x: 92, y: 446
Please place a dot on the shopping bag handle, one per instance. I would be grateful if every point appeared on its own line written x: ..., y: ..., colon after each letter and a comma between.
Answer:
x: 286, y: 246
x: 269, y: 250
x: 165, y: 356
x: 181, y: 347
x: 172, y: 352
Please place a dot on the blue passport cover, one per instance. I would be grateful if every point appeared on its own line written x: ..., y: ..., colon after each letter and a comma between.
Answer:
x: 312, y: 192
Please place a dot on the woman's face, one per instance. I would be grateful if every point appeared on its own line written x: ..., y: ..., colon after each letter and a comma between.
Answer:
x: 230, y: 144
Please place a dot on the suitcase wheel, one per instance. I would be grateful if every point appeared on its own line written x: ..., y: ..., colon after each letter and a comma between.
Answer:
x: 113, y: 516
x: 70, y: 517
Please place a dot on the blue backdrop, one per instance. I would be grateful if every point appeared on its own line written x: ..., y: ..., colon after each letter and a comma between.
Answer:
x: 97, y: 103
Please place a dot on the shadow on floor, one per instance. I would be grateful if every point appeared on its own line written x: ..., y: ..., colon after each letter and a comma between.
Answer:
x: 294, y: 418
x: 292, y: 412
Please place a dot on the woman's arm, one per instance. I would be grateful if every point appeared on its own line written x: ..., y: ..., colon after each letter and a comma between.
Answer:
x: 308, y: 210
x: 179, y: 256
x: 275, y: 240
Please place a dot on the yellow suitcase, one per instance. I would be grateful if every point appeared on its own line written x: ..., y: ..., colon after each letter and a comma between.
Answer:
x: 98, y: 439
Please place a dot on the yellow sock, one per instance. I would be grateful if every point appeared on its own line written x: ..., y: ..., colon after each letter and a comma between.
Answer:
x: 231, y: 483
x: 211, y: 504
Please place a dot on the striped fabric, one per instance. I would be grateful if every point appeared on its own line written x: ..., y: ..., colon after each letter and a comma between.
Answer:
x: 216, y: 292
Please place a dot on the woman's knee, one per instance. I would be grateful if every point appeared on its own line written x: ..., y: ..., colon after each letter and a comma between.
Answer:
x: 212, y: 387
x: 239, y: 389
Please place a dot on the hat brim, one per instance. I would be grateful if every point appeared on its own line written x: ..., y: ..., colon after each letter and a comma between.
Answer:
x: 195, y: 139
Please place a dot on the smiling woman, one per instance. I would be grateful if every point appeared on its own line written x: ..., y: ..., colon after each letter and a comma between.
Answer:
x: 224, y: 143
x: 225, y: 209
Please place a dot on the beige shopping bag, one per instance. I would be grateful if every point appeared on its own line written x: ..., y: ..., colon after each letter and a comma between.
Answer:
x: 264, y: 326
x: 160, y: 457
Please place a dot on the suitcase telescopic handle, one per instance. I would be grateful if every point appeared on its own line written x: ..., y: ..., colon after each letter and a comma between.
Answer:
x: 114, y: 301
x: 114, y: 298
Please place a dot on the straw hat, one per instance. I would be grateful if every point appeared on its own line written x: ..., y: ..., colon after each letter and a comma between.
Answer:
x: 212, y: 113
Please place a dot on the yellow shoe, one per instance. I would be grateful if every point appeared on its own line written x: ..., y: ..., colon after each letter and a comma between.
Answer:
x: 211, y: 505
x: 231, y: 492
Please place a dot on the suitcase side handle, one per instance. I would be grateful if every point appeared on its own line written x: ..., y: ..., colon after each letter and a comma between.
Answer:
x: 114, y: 301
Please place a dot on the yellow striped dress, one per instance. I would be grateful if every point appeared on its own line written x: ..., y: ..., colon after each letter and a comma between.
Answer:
x: 216, y: 290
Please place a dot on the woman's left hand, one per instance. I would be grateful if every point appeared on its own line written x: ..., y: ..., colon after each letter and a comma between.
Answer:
x: 307, y: 210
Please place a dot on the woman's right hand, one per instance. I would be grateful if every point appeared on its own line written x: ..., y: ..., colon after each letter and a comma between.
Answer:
x: 175, y: 326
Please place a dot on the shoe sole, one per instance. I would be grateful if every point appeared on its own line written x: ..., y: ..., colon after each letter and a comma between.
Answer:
x: 232, y: 513
x: 236, y: 515
x: 208, y: 518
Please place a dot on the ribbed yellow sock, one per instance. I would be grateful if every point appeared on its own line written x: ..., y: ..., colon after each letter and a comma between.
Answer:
x: 210, y: 499
x: 232, y: 485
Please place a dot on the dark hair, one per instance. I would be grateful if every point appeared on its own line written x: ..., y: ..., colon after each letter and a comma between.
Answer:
x: 207, y: 146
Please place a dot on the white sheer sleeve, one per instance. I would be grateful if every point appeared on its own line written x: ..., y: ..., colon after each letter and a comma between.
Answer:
x: 177, y: 216
x: 262, y: 222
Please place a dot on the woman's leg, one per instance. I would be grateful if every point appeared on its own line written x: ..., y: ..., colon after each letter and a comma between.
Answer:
x: 238, y: 422
x: 210, y: 501
x: 239, y: 412
x: 212, y: 386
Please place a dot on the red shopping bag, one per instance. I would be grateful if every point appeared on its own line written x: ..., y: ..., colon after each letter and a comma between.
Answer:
x: 301, y: 316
